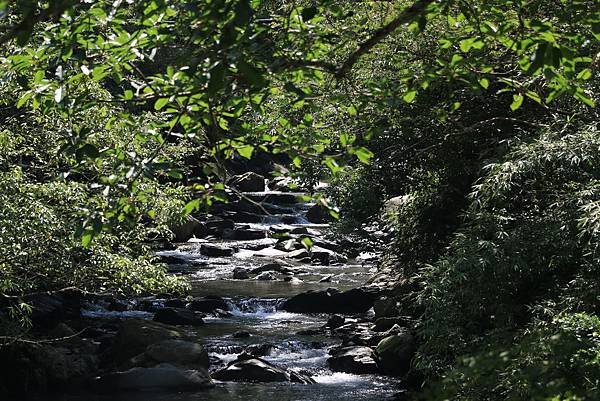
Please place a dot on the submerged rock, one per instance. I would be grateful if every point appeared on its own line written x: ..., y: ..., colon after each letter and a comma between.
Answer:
x: 208, y: 304
x: 239, y: 273
x: 357, y: 300
x: 215, y: 250
x: 178, y: 316
x: 359, y: 360
x: 179, y: 352
x: 163, y: 376
x: 259, y: 371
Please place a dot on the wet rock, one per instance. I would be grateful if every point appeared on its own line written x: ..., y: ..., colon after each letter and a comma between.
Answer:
x: 248, y: 182
x: 293, y: 280
x: 192, y: 227
x: 222, y: 313
x: 49, y: 309
x: 335, y: 321
x: 394, y: 354
x: 385, y: 307
x: 241, y: 334
x: 164, y: 376
x: 358, y: 360
x: 117, y: 305
x: 386, y: 323
x: 270, y: 253
x: 213, y: 250
x: 266, y: 276
x: 239, y: 273
x: 178, y: 352
x: 135, y: 335
x: 217, y: 226
x: 318, y: 215
x: 326, y: 279
x: 276, y: 267
x: 259, y: 371
x: 174, y: 303
x: 246, y: 217
x: 258, y: 350
x: 357, y: 300
x: 246, y: 234
x: 178, y: 316
x: 208, y: 304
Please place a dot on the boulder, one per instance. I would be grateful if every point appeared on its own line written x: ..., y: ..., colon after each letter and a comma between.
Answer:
x: 48, y: 309
x: 246, y: 217
x: 245, y: 234
x: 178, y: 316
x: 135, y: 335
x: 178, y: 352
x: 317, y: 214
x: 239, y: 273
x: 386, y: 323
x: 275, y: 267
x: 191, y: 227
x: 266, y: 276
x: 163, y: 376
x: 357, y: 300
x: 241, y: 334
x: 256, y: 370
x: 208, y: 304
x: 248, y: 182
x: 358, y: 360
x: 258, y: 350
x: 217, y: 226
x: 395, y: 353
x: 386, y: 307
x: 335, y: 321
x: 213, y: 250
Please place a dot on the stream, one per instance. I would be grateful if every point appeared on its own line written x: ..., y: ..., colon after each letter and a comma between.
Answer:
x: 254, y: 319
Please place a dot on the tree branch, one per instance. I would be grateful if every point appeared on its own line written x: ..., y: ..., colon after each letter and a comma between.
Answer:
x: 405, y: 16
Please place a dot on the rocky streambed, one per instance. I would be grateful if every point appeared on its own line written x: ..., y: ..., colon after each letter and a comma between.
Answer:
x: 268, y: 319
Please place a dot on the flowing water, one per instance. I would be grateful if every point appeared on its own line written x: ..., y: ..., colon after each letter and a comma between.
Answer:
x: 254, y: 309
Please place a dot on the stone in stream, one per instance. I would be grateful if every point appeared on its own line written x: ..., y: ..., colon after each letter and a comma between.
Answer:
x: 208, y: 304
x: 258, y: 350
x: 163, y: 376
x: 192, y: 227
x: 241, y: 334
x: 266, y: 276
x: 245, y: 234
x: 394, y: 354
x: 326, y: 279
x: 178, y: 316
x: 358, y: 360
x: 213, y: 250
x: 357, y: 300
x: 270, y: 253
x: 217, y: 226
x: 178, y: 352
x: 239, y: 273
x: 276, y: 267
x: 246, y: 217
x: 257, y: 370
x: 335, y: 321
x: 248, y: 182
x: 135, y: 335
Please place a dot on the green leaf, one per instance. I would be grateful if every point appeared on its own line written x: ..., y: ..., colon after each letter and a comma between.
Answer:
x: 364, y: 155
x: 160, y: 103
x: 245, y: 151
x: 306, y: 242
x: 409, y: 96
x: 517, y: 102
x: 484, y: 82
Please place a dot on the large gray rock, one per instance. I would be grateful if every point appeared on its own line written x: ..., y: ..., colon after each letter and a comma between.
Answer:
x: 258, y: 371
x: 179, y: 352
x: 135, y: 335
x: 215, y: 250
x: 163, y: 376
x: 395, y: 353
x: 192, y: 227
x: 248, y: 182
x: 357, y: 300
x: 208, y: 304
x: 359, y: 360
x: 178, y: 316
x: 239, y: 273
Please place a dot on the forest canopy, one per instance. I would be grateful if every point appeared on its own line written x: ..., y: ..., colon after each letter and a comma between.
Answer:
x: 478, y: 118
